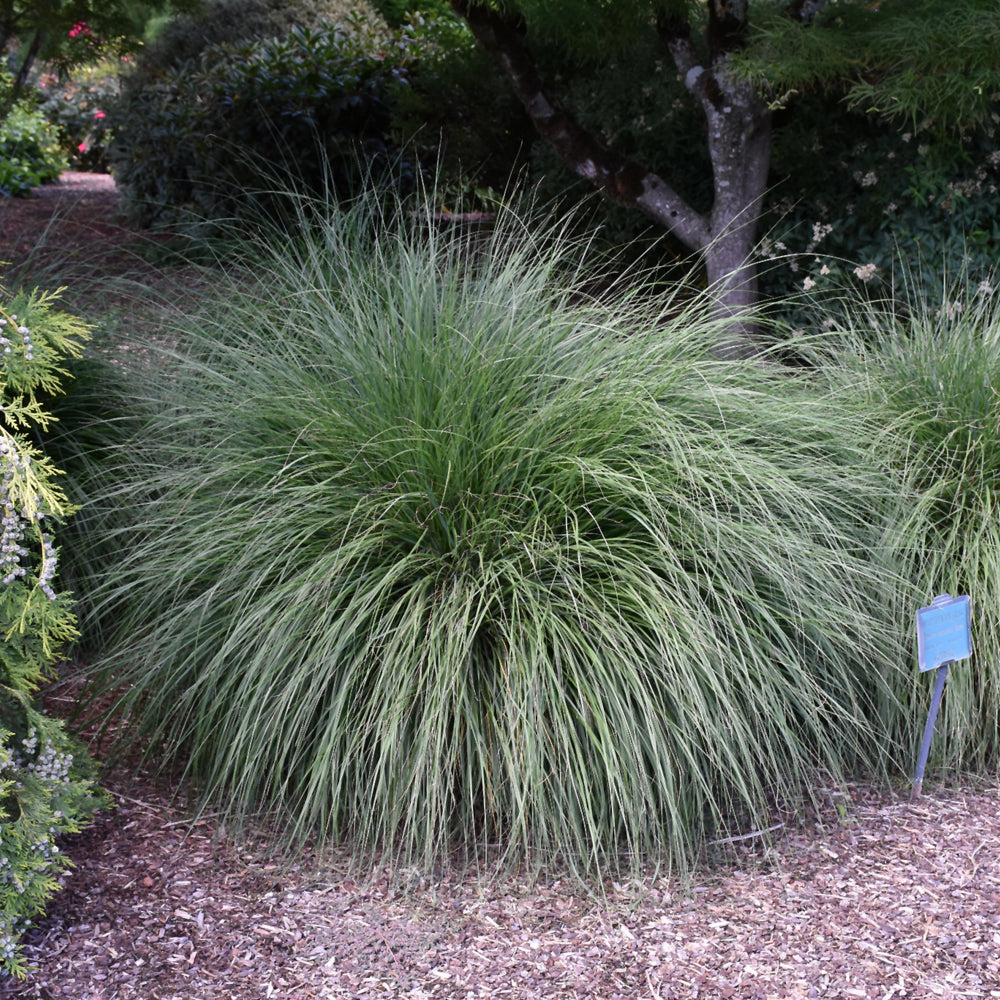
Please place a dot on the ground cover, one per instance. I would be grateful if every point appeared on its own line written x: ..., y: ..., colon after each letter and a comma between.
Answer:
x: 880, y: 898
x: 875, y: 896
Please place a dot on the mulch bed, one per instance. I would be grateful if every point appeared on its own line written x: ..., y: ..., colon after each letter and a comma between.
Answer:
x: 82, y: 208
x: 882, y: 898
x: 886, y: 899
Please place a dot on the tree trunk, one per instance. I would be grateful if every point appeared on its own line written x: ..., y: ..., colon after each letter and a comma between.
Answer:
x: 740, y: 145
x: 739, y: 138
x: 21, y: 80
x: 738, y: 124
x: 732, y: 284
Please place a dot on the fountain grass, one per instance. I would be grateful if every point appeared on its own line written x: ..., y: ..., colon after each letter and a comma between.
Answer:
x: 422, y: 546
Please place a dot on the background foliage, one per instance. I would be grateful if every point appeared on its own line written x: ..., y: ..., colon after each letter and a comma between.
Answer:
x: 198, y: 139
x: 883, y: 208
x: 77, y: 106
x: 30, y: 151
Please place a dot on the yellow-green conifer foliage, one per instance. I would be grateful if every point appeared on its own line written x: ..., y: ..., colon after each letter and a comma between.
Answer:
x: 45, y: 788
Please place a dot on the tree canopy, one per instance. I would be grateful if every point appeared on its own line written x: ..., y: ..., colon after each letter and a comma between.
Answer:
x: 740, y: 61
x: 71, y: 32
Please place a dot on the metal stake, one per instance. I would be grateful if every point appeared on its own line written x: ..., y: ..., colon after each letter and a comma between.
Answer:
x: 925, y: 746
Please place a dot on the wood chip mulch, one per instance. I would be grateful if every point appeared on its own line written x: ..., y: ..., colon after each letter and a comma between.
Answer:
x: 79, y: 210
x: 897, y: 899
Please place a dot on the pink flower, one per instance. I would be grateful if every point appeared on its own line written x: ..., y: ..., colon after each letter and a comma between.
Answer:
x: 100, y: 114
x: 82, y: 148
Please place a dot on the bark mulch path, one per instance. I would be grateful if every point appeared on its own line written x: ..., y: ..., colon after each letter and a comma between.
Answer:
x: 77, y: 214
x: 886, y: 898
x: 892, y: 899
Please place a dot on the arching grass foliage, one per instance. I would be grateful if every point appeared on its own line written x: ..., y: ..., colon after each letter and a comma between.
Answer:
x: 424, y: 546
x: 929, y: 377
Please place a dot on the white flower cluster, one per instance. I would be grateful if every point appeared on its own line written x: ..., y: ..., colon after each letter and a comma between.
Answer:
x: 49, y: 765
x: 821, y: 230
x: 50, y: 561
x: 25, y: 335
x: 11, y: 550
x: 44, y: 848
x: 14, y: 524
x: 29, y: 857
x: 11, y: 929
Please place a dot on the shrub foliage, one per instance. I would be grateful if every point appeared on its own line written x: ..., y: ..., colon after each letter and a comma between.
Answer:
x: 30, y: 152
x: 204, y: 136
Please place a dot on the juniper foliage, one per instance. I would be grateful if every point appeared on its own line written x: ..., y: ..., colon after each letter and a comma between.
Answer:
x: 46, y: 786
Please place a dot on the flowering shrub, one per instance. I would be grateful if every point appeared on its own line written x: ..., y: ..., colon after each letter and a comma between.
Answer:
x: 78, y: 109
x: 46, y: 788
x: 858, y: 198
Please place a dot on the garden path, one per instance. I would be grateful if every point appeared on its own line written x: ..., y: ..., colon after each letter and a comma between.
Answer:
x: 81, y: 206
x: 892, y: 900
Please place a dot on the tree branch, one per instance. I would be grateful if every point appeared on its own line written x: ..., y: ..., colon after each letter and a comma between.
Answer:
x: 676, y: 38
x: 615, y: 176
x: 21, y: 80
x: 727, y: 27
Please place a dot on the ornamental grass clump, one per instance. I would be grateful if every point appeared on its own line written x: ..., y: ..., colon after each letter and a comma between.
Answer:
x: 424, y: 547
x: 45, y: 784
x: 929, y: 378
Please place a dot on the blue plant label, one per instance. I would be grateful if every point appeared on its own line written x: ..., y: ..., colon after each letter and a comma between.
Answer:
x: 944, y: 631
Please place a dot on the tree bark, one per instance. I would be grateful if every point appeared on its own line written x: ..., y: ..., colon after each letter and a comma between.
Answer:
x: 739, y: 141
x: 21, y: 80
x: 739, y: 138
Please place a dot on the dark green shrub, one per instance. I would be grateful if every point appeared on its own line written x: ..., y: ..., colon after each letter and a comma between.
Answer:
x: 398, y: 12
x: 299, y: 109
x: 93, y: 412
x: 46, y: 786
x: 458, y: 112
x: 229, y: 22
